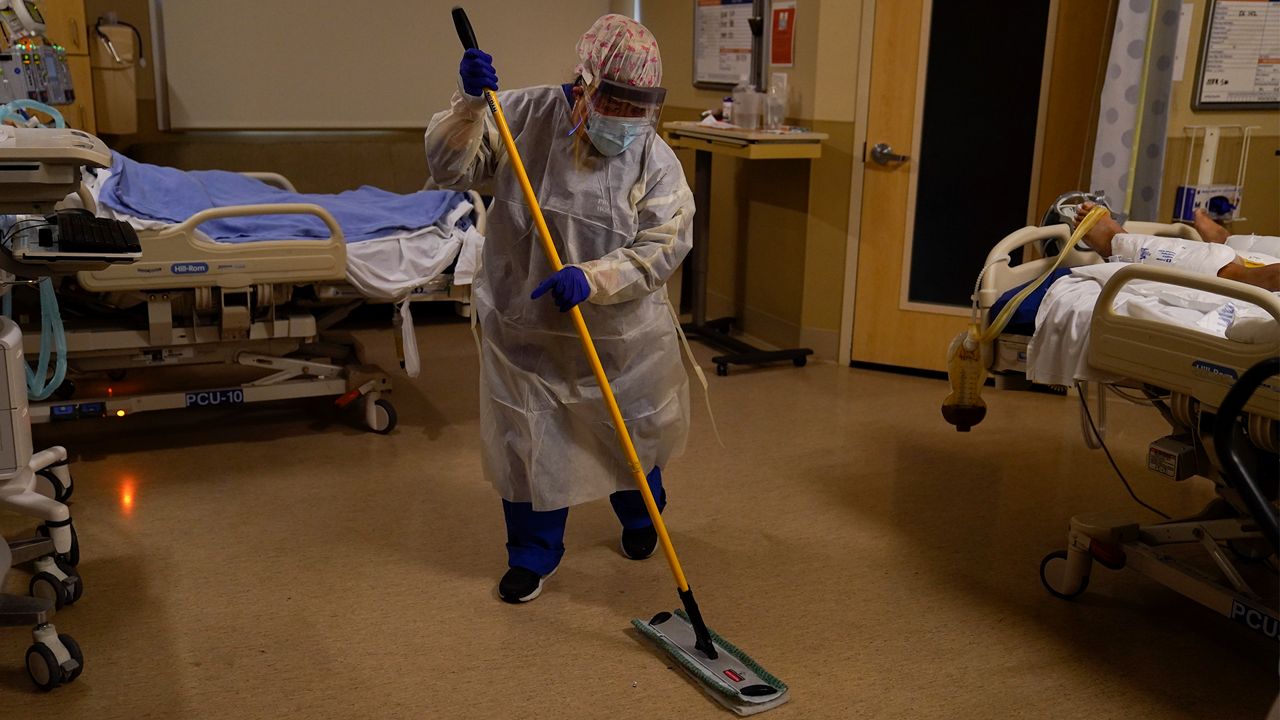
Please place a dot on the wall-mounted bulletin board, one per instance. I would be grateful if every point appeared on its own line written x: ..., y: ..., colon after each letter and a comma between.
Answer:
x: 1239, y: 56
x: 722, y: 42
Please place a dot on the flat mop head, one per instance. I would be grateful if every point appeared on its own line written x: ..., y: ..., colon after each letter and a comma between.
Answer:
x: 733, y: 679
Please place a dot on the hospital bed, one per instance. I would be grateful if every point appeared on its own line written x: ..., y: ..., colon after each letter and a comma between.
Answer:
x: 266, y: 304
x: 1187, y: 375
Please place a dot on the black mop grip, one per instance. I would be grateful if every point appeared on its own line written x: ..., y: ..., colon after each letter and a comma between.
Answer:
x: 700, y: 631
x: 465, y: 32
x: 467, y: 35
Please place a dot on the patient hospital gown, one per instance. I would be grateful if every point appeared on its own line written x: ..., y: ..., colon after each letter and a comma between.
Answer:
x: 627, y: 222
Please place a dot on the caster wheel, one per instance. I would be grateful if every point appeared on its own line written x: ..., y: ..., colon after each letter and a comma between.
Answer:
x: 117, y: 375
x: 800, y: 361
x: 73, y: 648
x: 43, y: 668
x: 385, y: 416
x: 74, y: 583
x: 1044, y: 580
x: 71, y: 558
x: 60, y: 492
x: 46, y: 586
x: 1249, y: 550
x: 65, y: 391
x: 722, y: 370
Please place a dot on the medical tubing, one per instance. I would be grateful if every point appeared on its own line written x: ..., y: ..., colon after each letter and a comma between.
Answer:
x: 468, y: 38
x: 1084, y: 404
x: 997, y: 326
x: 9, y: 111
x: 977, y: 285
x: 39, y: 386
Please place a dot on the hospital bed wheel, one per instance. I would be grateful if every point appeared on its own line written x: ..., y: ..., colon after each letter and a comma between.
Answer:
x: 76, y: 587
x: 800, y: 361
x: 43, y: 667
x: 1251, y: 550
x: 46, y: 586
x: 386, y: 417
x: 1044, y: 580
x: 61, y: 493
x: 722, y: 369
x: 73, y: 649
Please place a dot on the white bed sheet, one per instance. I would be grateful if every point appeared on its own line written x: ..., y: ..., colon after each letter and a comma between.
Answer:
x: 1059, y: 351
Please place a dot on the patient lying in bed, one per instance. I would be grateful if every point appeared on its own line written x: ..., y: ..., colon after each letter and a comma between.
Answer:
x: 1059, y: 349
x: 1246, y: 259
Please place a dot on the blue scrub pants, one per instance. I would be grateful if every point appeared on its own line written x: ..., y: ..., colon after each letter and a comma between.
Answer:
x: 535, y: 540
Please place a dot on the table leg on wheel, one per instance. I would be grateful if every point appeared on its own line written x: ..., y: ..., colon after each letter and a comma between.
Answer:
x: 701, y: 234
x: 716, y: 332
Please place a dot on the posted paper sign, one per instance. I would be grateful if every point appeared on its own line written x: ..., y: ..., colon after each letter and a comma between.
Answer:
x: 722, y: 41
x: 1240, y: 64
x: 784, y: 35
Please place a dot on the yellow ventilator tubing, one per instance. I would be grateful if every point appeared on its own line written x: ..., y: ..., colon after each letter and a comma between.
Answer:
x: 969, y: 351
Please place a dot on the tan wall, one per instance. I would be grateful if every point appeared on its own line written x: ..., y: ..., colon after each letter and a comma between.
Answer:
x: 1262, y: 185
x: 779, y: 228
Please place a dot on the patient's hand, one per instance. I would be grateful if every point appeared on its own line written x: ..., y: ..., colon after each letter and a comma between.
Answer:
x: 1099, y: 236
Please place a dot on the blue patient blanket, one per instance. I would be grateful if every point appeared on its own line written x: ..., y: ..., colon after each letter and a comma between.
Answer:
x: 1023, y: 321
x: 169, y: 195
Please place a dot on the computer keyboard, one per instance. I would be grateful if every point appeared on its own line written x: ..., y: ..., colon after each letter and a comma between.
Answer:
x: 83, y: 233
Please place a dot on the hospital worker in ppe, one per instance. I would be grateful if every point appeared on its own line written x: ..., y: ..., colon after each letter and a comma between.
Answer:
x: 621, y: 213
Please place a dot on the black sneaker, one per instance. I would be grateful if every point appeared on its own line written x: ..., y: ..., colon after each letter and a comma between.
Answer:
x: 520, y: 585
x: 639, y: 544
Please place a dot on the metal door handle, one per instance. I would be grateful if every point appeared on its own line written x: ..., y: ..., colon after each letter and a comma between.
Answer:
x: 75, y: 34
x: 883, y: 154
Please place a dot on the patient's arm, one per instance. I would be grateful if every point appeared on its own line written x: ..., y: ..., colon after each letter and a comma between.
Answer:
x: 1109, y: 239
x: 1266, y: 277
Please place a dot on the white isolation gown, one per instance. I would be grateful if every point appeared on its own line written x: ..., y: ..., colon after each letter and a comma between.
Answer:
x: 627, y: 221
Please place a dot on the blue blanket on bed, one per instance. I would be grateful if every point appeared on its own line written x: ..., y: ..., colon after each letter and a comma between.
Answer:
x: 168, y: 195
x: 1023, y: 321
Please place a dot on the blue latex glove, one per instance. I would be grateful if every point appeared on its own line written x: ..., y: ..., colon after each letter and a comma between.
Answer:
x: 477, y: 72
x: 569, y: 287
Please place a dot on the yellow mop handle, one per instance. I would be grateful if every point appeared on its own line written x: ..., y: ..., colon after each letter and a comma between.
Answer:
x: 619, y: 425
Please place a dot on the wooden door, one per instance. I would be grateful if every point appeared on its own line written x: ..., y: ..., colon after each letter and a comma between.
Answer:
x: 899, y: 318
x: 65, y: 24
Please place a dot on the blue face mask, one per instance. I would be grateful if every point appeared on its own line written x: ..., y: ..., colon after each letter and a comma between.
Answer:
x: 613, y: 135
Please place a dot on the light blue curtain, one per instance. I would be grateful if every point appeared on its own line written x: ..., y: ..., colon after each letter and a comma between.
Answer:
x: 1132, y: 126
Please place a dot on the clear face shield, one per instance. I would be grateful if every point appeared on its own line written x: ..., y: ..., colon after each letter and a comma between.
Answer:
x: 617, y: 114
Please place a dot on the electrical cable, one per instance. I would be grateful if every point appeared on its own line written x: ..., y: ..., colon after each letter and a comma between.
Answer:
x: 1084, y: 403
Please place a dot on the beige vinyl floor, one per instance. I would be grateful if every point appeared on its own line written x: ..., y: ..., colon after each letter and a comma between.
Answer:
x: 274, y: 563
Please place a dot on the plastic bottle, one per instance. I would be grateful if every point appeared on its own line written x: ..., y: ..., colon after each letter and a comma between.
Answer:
x: 775, y: 102
x: 726, y: 109
x: 746, y: 106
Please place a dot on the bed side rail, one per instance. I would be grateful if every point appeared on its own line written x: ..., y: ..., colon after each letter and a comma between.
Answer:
x: 1002, y: 276
x: 179, y: 257
x: 1179, y: 358
x: 189, y: 225
x: 480, y: 215
x: 271, y: 178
